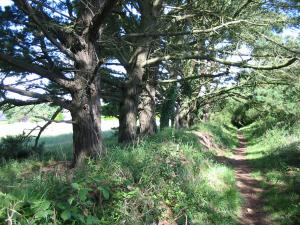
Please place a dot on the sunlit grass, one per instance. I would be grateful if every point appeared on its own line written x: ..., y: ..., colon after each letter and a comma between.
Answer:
x: 275, y: 158
x: 165, y: 177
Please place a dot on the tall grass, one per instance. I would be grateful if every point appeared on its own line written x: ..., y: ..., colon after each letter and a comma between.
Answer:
x: 165, y: 177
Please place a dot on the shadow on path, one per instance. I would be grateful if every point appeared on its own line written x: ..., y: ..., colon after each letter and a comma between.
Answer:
x: 251, y: 192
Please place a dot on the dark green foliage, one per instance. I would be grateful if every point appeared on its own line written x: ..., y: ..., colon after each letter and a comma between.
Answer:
x: 244, y: 115
x: 167, y: 108
x: 31, y: 113
x: 18, y: 147
x: 15, y: 147
x: 110, y: 109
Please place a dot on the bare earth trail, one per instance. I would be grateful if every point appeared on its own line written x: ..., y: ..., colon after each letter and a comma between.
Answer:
x: 252, y: 210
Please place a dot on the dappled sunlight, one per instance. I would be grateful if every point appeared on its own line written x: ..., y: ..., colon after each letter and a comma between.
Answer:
x: 275, y: 159
x: 217, y: 178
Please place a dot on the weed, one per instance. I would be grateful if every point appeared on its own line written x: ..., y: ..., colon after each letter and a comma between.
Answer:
x: 165, y: 177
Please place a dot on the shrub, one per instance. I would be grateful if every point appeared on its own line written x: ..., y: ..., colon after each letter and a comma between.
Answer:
x: 15, y: 147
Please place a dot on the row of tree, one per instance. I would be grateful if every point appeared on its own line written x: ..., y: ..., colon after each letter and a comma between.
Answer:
x: 175, y: 58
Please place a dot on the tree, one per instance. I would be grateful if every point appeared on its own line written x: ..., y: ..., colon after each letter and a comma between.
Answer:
x: 138, y: 90
x: 209, y: 32
x: 213, y: 46
x: 58, y: 42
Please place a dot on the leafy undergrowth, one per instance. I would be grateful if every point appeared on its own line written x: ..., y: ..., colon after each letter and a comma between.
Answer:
x: 163, y: 178
x: 275, y: 157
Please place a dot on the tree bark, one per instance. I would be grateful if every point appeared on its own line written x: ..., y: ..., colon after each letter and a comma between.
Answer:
x: 85, y: 110
x: 131, y: 92
x: 136, y: 69
x: 87, y: 140
x: 128, y: 113
x: 147, y: 111
x: 147, y: 108
x: 164, y: 116
x: 168, y: 108
x: 185, y: 116
x: 206, y: 112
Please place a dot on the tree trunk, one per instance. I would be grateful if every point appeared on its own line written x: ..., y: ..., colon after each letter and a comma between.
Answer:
x: 182, y: 116
x: 85, y: 111
x: 147, y: 106
x: 206, y: 112
x: 183, y: 121
x: 87, y: 140
x: 168, y: 107
x: 135, y: 69
x: 147, y: 111
x: 164, y: 117
x: 128, y: 113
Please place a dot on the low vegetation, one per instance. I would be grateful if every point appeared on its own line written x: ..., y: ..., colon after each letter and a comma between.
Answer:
x: 275, y: 158
x: 16, y: 147
x: 166, y: 178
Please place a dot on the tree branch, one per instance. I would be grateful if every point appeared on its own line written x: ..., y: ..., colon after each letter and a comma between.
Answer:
x: 279, y: 44
x: 237, y: 13
x: 17, y: 102
x: 196, y: 31
x: 41, y: 23
x: 202, y: 75
x: 98, y: 19
x: 55, y: 121
x: 36, y: 142
x: 242, y: 64
x: 39, y: 70
x: 245, y: 65
x: 42, y: 97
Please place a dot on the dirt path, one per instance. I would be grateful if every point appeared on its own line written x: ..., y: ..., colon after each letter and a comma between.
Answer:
x: 252, y: 212
x: 251, y: 192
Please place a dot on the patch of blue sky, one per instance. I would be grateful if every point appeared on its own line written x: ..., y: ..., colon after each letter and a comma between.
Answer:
x: 115, y: 65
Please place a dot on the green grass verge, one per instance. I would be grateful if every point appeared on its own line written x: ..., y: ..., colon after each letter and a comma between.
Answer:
x: 275, y: 157
x: 165, y: 177
x: 109, y: 118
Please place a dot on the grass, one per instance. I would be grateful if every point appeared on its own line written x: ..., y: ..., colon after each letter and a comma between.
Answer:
x: 275, y: 157
x: 108, y: 118
x: 60, y: 147
x: 165, y: 177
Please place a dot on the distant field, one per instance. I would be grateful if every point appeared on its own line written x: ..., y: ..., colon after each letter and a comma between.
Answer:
x: 57, y: 137
x: 54, y: 129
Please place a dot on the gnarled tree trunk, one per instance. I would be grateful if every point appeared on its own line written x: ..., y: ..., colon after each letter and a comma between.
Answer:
x: 128, y: 112
x: 147, y: 108
x: 87, y: 141
x: 147, y: 111
x: 85, y: 109
x: 136, y: 69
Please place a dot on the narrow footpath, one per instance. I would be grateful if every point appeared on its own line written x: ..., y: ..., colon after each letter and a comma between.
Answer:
x: 252, y: 210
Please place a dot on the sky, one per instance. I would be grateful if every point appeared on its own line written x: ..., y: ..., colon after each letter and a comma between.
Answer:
x: 5, y: 2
